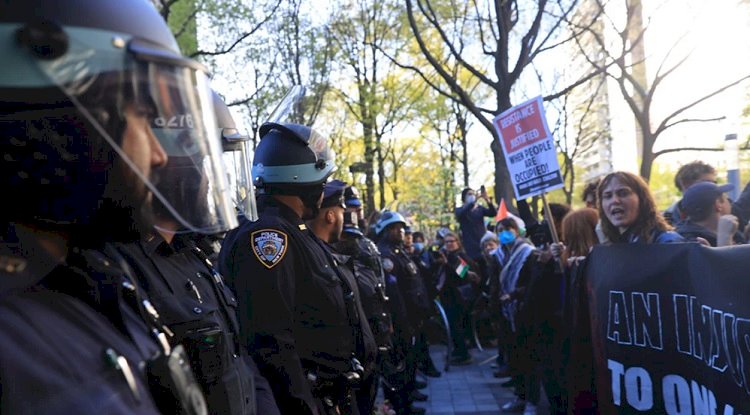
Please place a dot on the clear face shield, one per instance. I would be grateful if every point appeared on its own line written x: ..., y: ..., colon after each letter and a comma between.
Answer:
x: 155, y: 110
x: 301, y: 105
x: 237, y: 159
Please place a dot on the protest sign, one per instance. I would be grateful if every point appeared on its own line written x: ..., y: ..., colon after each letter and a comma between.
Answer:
x: 529, y: 149
x: 670, y: 328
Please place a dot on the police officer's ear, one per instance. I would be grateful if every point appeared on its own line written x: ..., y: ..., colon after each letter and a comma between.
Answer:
x: 330, y: 216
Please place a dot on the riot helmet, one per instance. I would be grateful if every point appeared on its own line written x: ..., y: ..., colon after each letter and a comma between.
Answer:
x: 292, y: 158
x: 237, y: 156
x: 96, y: 100
x: 388, y: 218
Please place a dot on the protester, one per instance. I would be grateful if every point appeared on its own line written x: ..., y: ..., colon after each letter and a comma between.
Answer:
x: 707, y: 209
x: 419, y: 242
x: 510, y: 291
x: 589, y: 193
x: 580, y: 236
x: 696, y: 172
x: 470, y: 217
x: 540, y: 317
x: 490, y: 247
x: 628, y: 212
x: 687, y: 175
x: 458, y: 285
x: 428, y: 271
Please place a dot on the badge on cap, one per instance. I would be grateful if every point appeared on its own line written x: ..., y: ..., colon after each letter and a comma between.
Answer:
x: 269, y: 246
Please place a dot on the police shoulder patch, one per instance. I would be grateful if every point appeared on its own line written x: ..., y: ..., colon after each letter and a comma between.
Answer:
x: 269, y: 246
x: 387, y: 264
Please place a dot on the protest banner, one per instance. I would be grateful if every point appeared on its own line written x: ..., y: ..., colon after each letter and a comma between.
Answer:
x: 529, y: 149
x: 669, y: 327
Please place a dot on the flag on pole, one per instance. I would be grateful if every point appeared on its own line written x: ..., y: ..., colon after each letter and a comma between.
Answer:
x: 502, y: 211
x: 463, y: 268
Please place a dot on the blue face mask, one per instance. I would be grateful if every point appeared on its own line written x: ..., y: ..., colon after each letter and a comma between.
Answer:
x: 470, y: 199
x: 506, y: 237
x: 418, y: 246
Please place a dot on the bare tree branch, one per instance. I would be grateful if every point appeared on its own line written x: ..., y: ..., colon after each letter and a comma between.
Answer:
x: 240, y: 39
x: 666, y: 122
x: 674, y: 150
x: 432, y: 19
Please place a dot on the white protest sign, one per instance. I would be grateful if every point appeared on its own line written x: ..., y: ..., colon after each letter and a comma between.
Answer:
x: 529, y: 149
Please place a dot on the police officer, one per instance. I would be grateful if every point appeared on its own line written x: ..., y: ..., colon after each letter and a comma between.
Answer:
x: 196, y: 305
x: 328, y: 227
x: 293, y: 305
x: 368, y: 271
x: 399, y: 267
x: 81, y: 150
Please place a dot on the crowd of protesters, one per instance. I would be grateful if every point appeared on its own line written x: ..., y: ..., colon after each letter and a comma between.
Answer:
x: 527, y: 281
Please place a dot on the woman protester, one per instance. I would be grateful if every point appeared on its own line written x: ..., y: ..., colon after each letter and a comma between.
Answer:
x: 519, y: 266
x: 628, y: 215
x: 579, y: 234
x: 628, y: 212
x: 458, y: 285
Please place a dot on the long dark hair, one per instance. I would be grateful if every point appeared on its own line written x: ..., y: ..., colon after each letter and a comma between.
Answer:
x: 648, y: 219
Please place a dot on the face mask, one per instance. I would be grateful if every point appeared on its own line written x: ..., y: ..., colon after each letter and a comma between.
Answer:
x: 506, y: 237
x: 418, y: 246
x: 470, y: 199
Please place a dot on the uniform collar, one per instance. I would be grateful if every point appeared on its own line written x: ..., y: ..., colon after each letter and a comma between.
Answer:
x: 155, y: 243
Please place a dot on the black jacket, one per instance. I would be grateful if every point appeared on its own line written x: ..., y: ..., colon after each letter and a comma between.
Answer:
x: 72, y: 341
x: 368, y: 272
x: 396, y: 262
x: 201, y: 311
x: 293, y: 311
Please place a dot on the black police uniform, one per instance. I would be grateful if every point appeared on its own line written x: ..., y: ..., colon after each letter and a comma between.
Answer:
x: 366, y: 387
x: 293, y: 311
x: 368, y: 273
x: 201, y: 311
x: 397, y: 262
x: 79, y: 338
x: 414, y: 299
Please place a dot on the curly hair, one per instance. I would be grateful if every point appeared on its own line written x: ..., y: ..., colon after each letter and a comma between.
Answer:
x: 648, y: 219
x: 590, y: 189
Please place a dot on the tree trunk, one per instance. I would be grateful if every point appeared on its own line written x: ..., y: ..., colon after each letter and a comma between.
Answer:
x: 503, y: 184
x: 381, y: 170
x: 647, y: 162
x: 638, y: 63
x: 369, y: 171
x: 461, y: 130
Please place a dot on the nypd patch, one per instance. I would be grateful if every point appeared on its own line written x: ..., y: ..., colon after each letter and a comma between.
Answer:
x: 269, y: 246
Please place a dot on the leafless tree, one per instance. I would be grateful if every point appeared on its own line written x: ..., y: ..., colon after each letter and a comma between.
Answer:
x: 625, y: 65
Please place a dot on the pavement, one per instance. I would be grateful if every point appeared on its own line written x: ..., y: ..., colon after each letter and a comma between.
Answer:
x: 470, y: 389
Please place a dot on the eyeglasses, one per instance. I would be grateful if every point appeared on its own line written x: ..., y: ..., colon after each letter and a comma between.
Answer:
x: 450, y: 241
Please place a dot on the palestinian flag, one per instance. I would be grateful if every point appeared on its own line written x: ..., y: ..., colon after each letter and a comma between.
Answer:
x: 463, y: 268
